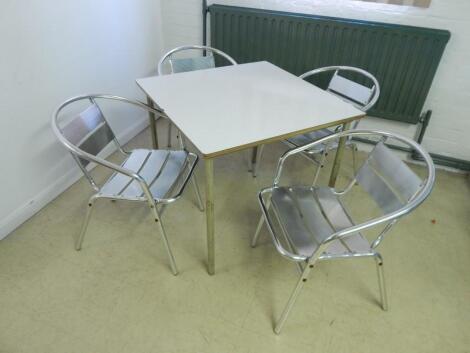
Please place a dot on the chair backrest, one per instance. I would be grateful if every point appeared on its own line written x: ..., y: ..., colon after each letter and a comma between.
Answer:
x: 88, y: 131
x: 361, y: 96
x: 85, y: 135
x: 387, y: 179
x: 192, y: 63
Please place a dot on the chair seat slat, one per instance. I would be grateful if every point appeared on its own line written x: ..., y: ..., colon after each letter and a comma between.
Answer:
x: 159, y: 168
x: 310, y: 215
x: 118, y: 182
x: 149, y: 170
x: 169, y: 175
x: 301, y: 218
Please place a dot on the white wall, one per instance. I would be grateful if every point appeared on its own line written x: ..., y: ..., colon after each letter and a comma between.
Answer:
x: 449, y: 97
x: 49, y: 51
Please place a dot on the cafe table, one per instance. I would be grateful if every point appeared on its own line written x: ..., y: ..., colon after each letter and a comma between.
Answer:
x: 233, y: 108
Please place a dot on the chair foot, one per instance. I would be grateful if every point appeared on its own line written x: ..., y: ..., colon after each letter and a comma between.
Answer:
x: 354, y: 158
x: 293, y: 298
x: 169, y: 134
x: 158, y: 221
x: 381, y: 278
x: 254, y: 240
x: 81, y: 236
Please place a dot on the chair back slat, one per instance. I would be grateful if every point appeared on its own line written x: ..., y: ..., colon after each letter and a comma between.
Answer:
x: 387, y: 179
x: 373, y: 183
x: 192, y: 64
x: 89, y: 131
x: 350, y: 90
x: 399, y: 176
x: 348, y: 83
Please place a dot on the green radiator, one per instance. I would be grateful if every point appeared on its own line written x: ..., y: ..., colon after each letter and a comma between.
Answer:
x: 403, y: 58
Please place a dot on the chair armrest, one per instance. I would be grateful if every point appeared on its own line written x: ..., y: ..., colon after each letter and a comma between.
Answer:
x: 297, y: 150
x: 103, y: 162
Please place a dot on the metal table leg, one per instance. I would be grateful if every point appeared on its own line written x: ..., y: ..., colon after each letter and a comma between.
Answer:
x: 210, y: 223
x: 254, y: 153
x: 338, y: 157
x: 256, y: 157
x: 153, y: 125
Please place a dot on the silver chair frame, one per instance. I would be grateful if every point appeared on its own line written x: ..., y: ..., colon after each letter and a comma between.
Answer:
x: 311, y: 154
x: 147, y: 196
x: 169, y: 55
x: 375, y: 87
x: 306, y: 263
x: 206, y: 48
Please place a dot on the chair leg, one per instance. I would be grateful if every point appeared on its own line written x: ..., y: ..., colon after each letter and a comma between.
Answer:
x: 354, y: 150
x: 259, y: 153
x: 79, y: 240
x: 292, y: 299
x: 197, y: 192
x: 158, y: 221
x: 180, y: 138
x: 169, y: 133
x: 381, y: 277
x: 254, y: 240
x: 320, y: 167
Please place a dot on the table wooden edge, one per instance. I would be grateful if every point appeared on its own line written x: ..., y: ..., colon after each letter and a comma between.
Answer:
x: 279, y: 137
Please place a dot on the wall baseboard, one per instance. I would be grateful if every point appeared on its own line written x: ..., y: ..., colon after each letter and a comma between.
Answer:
x: 34, y: 205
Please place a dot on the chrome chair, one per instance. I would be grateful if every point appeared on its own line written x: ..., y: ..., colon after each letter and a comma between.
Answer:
x: 185, y: 64
x: 359, y: 95
x: 155, y: 177
x: 308, y: 224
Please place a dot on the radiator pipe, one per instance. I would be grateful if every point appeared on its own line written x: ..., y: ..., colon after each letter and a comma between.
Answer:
x: 424, y: 121
x: 205, y: 10
x: 393, y: 147
x: 438, y: 159
x: 424, y: 125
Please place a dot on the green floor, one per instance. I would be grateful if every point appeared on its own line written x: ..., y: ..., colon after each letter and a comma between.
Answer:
x: 118, y: 293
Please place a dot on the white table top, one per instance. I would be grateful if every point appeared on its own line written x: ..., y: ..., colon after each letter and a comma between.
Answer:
x: 229, y: 108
